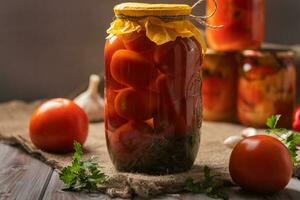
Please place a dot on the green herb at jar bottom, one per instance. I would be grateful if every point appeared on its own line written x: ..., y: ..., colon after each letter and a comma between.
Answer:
x: 164, y: 155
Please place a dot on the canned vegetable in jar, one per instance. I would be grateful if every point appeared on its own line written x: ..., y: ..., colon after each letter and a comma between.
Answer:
x: 267, y: 85
x: 219, y: 85
x: 152, y: 88
x: 243, y: 24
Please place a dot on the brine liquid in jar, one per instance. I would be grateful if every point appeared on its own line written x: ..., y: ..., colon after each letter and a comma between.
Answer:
x: 243, y: 24
x: 267, y: 86
x: 219, y: 85
x: 152, y: 99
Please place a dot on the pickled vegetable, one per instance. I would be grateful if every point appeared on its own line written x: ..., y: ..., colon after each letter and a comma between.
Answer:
x: 112, y: 119
x: 266, y: 87
x: 243, y: 24
x: 132, y: 69
x: 113, y: 44
x: 220, y: 71
x: 135, y: 104
x: 153, y: 117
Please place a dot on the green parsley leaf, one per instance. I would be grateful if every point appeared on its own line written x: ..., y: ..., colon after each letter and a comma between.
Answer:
x: 208, y: 186
x: 78, y: 152
x: 82, y: 175
x: 288, y: 137
x: 272, y: 121
x: 291, y: 142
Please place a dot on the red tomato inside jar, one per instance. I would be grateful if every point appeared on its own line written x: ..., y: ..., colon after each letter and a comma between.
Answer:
x: 267, y: 86
x: 152, y: 98
x: 243, y: 24
x: 219, y: 85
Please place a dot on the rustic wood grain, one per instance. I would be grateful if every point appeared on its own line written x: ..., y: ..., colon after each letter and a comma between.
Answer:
x: 21, y: 176
x: 54, y: 191
x: 292, y: 192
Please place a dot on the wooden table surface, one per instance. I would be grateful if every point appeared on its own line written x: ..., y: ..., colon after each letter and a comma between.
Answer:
x: 23, y: 177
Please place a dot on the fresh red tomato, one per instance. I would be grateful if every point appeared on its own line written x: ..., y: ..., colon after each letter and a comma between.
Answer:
x: 132, y: 69
x: 261, y: 163
x: 136, y: 104
x: 296, y: 119
x: 112, y: 119
x: 138, y: 41
x: 130, y: 140
x: 111, y: 46
x: 56, y: 124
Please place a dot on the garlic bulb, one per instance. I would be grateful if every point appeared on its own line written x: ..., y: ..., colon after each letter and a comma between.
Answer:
x: 231, y: 141
x: 90, y: 100
x: 247, y: 132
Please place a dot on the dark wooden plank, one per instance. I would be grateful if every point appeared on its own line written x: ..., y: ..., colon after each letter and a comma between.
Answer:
x: 21, y: 176
x: 292, y: 192
x: 54, y: 191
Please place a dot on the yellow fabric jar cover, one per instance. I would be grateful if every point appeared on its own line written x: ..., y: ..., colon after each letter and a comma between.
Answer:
x: 162, y: 22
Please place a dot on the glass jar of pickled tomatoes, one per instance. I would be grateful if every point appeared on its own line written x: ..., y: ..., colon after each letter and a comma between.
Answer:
x: 152, y: 88
x: 219, y: 85
x: 267, y: 86
x: 243, y: 24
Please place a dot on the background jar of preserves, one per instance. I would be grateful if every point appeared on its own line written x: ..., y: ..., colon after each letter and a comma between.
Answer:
x: 243, y: 24
x: 219, y: 85
x: 267, y: 86
x: 152, y: 93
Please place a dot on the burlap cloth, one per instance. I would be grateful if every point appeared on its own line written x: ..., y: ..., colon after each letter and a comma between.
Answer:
x: 14, y: 117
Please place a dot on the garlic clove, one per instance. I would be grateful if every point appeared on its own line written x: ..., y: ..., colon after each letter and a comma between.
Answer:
x: 247, y: 132
x: 233, y: 140
x: 90, y: 100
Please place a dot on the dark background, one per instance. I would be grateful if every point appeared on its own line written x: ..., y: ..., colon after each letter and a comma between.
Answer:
x: 49, y: 48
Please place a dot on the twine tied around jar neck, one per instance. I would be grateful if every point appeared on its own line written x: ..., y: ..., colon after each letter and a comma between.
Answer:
x: 202, y: 19
x: 195, y: 18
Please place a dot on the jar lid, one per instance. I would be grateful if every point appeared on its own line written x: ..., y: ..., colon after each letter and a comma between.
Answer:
x: 279, y: 52
x: 210, y: 51
x: 145, y: 9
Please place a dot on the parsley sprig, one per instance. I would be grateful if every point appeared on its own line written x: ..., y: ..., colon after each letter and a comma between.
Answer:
x: 209, y: 186
x: 82, y: 175
x: 288, y: 137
